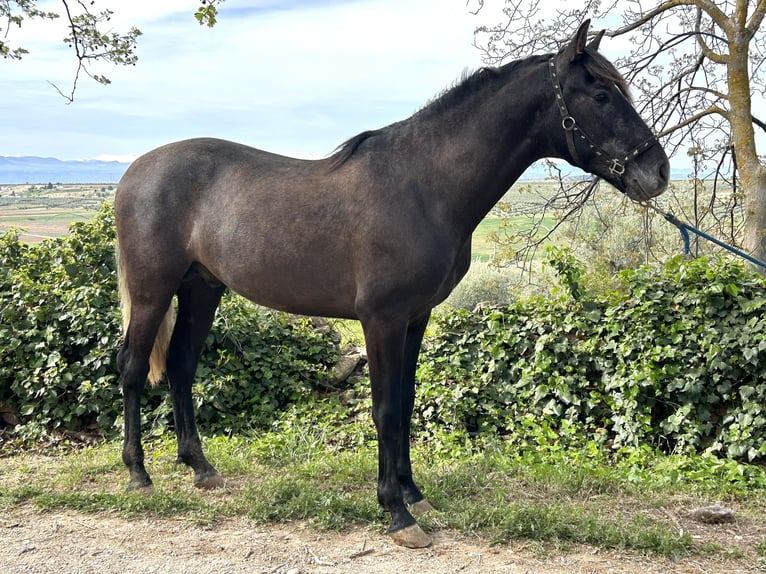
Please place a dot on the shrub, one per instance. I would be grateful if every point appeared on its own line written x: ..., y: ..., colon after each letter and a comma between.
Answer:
x: 59, y: 327
x: 256, y: 362
x: 60, y: 331
x: 675, y: 357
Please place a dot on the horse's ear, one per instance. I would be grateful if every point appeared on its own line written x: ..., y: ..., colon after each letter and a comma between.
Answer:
x: 579, y: 40
x: 596, y: 42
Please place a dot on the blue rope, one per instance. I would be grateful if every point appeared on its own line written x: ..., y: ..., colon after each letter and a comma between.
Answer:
x: 685, y: 228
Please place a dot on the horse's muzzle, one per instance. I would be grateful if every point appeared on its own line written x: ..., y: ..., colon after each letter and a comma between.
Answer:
x: 647, y: 178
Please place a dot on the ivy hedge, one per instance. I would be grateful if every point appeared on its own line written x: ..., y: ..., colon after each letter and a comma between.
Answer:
x: 675, y: 358
x: 60, y: 331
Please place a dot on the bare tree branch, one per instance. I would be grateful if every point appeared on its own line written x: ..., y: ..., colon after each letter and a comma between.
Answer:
x: 716, y: 14
x: 707, y: 51
x: 89, y: 35
x: 756, y: 19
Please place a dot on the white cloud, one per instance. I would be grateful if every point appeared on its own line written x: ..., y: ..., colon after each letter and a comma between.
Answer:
x: 297, y: 78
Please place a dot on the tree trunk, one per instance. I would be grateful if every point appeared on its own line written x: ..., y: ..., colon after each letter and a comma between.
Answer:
x: 755, y: 215
x: 751, y: 171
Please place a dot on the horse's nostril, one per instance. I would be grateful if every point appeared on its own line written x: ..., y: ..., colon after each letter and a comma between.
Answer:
x: 665, y: 172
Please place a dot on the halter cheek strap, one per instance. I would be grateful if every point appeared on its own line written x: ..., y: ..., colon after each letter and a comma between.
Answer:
x: 616, y: 165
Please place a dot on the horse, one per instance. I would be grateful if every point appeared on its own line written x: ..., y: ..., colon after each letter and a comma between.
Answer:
x: 379, y: 231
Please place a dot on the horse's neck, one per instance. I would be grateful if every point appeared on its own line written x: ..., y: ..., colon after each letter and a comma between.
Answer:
x: 476, y: 150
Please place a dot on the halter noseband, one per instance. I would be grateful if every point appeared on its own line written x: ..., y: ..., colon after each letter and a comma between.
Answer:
x: 616, y: 165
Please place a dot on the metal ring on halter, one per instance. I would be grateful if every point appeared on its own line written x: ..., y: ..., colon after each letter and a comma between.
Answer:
x: 616, y: 167
x: 568, y: 123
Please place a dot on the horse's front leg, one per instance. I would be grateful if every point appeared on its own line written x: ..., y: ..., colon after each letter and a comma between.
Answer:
x: 385, y: 341
x: 410, y: 492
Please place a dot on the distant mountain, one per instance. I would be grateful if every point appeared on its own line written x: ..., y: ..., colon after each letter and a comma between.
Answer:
x: 37, y: 170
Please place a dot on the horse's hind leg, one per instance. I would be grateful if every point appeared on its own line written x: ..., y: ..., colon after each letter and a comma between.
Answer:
x: 410, y: 492
x: 133, y: 364
x: 197, y: 302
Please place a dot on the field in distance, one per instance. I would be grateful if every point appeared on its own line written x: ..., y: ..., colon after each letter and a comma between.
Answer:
x: 44, y: 211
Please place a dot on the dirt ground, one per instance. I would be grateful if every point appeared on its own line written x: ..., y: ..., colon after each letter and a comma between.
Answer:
x: 71, y: 542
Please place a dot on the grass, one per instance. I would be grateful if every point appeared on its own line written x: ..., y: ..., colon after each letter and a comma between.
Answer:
x: 38, y: 223
x: 482, y: 247
x: 485, y: 248
x: 491, y: 490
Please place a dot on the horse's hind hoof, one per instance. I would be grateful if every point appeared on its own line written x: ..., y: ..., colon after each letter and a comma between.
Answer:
x: 411, y: 537
x: 420, y: 507
x: 209, y: 481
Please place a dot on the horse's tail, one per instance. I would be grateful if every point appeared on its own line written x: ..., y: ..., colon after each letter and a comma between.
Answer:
x: 157, y: 360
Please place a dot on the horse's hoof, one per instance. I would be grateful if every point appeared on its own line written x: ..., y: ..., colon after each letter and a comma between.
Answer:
x: 209, y: 481
x: 411, y: 537
x: 420, y: 507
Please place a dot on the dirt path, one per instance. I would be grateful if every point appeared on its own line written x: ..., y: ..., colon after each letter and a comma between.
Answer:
x: 71, y: 542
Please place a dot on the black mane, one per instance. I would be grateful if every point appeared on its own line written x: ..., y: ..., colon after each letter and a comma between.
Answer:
x: 468, y: 83
x: 345, y: 150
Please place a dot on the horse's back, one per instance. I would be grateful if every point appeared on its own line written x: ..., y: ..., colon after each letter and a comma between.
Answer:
x: 198, y: 162
x: 203, y: 181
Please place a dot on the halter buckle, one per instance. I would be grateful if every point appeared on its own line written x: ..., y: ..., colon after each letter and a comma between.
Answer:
x: 616, y: 167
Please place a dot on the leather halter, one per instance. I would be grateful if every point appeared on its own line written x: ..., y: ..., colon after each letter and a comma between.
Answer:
x: 616, y: 165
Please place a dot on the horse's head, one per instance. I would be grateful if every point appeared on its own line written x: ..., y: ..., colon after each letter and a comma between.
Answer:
x: 601, y: 132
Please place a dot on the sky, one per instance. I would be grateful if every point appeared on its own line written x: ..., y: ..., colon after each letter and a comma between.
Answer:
x: 296, y: 77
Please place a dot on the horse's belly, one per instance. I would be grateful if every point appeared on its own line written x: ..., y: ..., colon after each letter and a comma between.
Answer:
x: 302, y: 289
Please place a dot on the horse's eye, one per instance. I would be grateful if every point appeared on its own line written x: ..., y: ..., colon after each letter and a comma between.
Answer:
x: 601, y: 97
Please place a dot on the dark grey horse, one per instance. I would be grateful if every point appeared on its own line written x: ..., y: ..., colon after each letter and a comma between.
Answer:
x: 379, y: 232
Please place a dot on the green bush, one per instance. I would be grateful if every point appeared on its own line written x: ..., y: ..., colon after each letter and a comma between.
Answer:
x: 675, y: 358
x: 60, y: 331
x: 59, y: 326
x: 256, y: 362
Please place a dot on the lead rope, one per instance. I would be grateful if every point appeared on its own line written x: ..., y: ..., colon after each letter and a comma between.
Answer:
x: 685, y: 228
